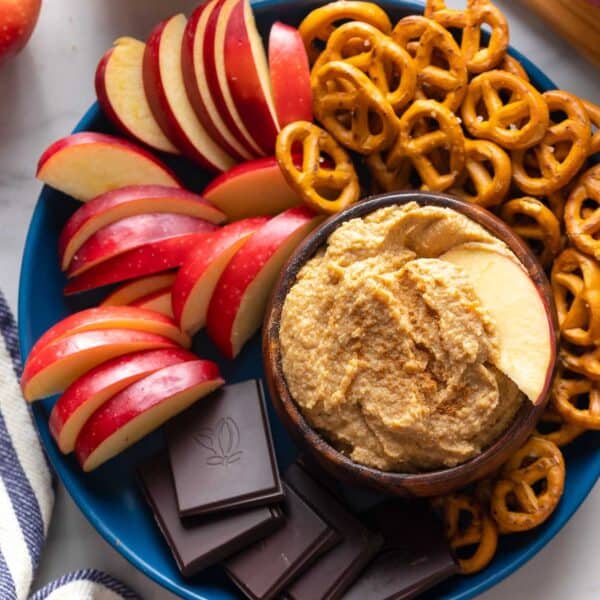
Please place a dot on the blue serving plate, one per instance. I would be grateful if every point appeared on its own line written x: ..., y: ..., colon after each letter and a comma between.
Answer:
x: 110, y: 498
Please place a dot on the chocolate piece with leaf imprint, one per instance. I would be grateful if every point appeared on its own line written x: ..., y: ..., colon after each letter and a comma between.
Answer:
x: 221, y: 452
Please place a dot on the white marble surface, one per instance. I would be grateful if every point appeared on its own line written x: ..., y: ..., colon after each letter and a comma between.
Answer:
x: 46, y: 89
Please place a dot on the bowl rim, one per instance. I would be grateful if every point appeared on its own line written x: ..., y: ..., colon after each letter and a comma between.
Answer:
x: 317, y: 445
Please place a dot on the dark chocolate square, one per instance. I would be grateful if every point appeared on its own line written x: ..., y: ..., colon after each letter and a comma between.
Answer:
x: 221, y: 452
x: 205, y: 540
x: 264, y: 569
x: 333, y: 573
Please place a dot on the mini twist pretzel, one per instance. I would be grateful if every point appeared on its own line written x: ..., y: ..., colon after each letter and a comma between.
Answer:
x: 582, y: 213
x: 352, y: 108
x: 516, y: 505
x: 423, y: 38
x: 562, y: 151
x: 327, y: 190
x: 389, y: 171
x: 477, y: 13
x: 512, y: 65
x: 567, y: 396
x: 388, y: 66
x: 555, y: 429
x: 535, y: 223
x: 581, y: 359
x: 488, y: 188
x: 520, y: 122
x: 556, y: 201
x: 575, y: 281
x: 479, y: 534
x: 593, y: 112
x: 320, y: 23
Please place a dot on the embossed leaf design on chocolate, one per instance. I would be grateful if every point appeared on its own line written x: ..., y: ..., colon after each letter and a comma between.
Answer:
x: 222, y: 441
x: 204, y: 437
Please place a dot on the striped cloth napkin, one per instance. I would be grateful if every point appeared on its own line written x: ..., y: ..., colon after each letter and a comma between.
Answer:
x: 27, y: 495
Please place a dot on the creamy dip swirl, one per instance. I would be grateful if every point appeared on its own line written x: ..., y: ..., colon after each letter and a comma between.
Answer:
x: 387, y: 349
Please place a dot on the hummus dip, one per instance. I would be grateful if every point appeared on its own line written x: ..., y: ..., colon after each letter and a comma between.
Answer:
x: 387, y: 349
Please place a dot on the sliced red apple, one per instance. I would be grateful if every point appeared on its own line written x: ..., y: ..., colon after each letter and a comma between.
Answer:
x: 143, y: 407
x: 126, y: 202
x: 120, y: 92
x: 165, y: 90
x: 146, y: 260
x: 159, y: 301
x: 271, y: 193
x: 59, y: 364
x: 198, y: 276
x: 134, y: 232
x: 85, y: 395
x: 196, y: 83
x: 87, y: 164
x: 290, y: 75
x: 237, y: 306
x: 129, y: 293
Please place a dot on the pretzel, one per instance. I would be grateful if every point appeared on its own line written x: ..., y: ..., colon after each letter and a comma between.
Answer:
x: 470, y: 20
x: 562, y: 151
x: 593, y: 112
x: 480, y: 533
x: 512, y: 65
x: 387, y: 65
x: 352, y: 108
x: 521, y: 122
x: 567, y: 397
x: 516, y: 505
x: 582, y: 213
x: 478, y: 184
x: 389, y: 170
x: 535, y: 223
x: 575, y: 281
x: 327, y: 190
x: 555, y: 429
x: 556, y: 202
x: 320, y: 23
x: 425, y: 39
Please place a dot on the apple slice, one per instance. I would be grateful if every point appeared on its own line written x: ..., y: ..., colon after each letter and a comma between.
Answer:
x: 523, y: 320
x: 143, y: 407
x: 129, y: 293
x: 196, y: 83
x: 85, y: 395
x: 165, y: 89
x: 59, y: 364
x: 145, y: 260
x: 134, y: 232
x: 113, y: 317
x: 198, y: 276
x: 237, y: 306
x: 159, y: 301
x: 290, y: 75
x: 120, y: 92
x: 87, y: 164
x: 271, y: 193
x: 126, y: 202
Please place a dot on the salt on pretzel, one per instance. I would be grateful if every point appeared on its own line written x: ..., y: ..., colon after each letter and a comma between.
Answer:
x: 536, y: 224
x: 320, y: 23
x: 328, y: 185
x: 555, y: 429
x: 582, y: 213
x: 485, y: 180
x: 520, y: 122
x: 577, y: 401
x: 517, y: 505
x: 425, y: 39
x: 561, y: 152
x: 470, y: 21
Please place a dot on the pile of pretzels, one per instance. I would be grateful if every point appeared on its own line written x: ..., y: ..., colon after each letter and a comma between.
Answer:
x: 426, y: 105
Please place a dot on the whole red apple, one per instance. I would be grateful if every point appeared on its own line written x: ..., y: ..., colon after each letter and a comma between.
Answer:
x: 17, y: 21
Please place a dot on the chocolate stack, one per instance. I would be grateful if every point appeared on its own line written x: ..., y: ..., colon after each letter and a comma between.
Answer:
x: 217, y: 497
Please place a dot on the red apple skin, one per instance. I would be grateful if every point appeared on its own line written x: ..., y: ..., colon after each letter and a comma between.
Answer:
x: 290, y: 75
x: 126, y: 202
x: 243, y: 269
x: 140, y: 397
x: 102, y: 345
x: 255, y: 109
x: 87, y: 393
x: 133, y: 232
x: 17, y: 22
x: 202, y: 258
x: 92, y: 137
x: 146, y: 260
x: 112, y: 317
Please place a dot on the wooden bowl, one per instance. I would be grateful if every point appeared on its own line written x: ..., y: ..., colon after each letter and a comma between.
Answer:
x: 429, y: 483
